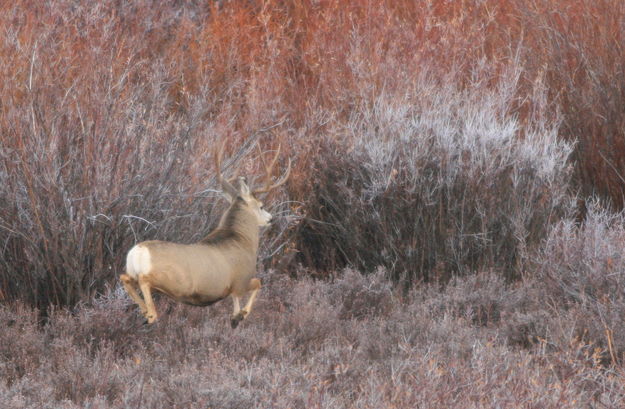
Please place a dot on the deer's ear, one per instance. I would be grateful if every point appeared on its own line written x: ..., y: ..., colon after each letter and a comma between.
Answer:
x: 244, y: 189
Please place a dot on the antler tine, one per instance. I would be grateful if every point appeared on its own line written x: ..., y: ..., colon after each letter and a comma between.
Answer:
x: 225, y: 184
x: 269, y: 169
x: 274, y: 160
x: 284, y: 178
x: 262, y: 158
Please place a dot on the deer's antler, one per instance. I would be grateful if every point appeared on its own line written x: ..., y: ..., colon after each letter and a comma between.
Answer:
x: 268, y: 185
x: 226, y: 185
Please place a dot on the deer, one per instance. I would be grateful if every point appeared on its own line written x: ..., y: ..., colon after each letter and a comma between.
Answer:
x: 222, y: 264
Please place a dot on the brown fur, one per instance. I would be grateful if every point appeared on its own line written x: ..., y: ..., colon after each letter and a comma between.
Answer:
x: 201, y: 274
x: 221, y: 264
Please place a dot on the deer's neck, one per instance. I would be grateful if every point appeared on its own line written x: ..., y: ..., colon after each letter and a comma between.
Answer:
x: 238, y: 225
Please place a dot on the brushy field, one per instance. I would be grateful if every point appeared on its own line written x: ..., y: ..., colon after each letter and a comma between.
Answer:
x: 450, y: 236
x: 351, y: 342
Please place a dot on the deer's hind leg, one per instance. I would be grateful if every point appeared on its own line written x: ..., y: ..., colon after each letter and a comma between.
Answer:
x: 146, y: 290
x: 131, y: 285
x: 240, y: 314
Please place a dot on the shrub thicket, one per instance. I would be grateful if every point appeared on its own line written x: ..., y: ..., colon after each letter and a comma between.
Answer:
x: 429, y: 140
x: 427, y: 137
x: 582, y: 275
x: 436, y: 181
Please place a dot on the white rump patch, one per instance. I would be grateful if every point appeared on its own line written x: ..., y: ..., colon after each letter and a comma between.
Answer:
x: 138, y: 261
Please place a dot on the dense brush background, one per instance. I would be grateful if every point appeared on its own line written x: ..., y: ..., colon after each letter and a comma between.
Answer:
x: 451, y: 234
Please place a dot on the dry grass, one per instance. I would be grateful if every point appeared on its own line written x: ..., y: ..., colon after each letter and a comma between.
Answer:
x: 351, y: 342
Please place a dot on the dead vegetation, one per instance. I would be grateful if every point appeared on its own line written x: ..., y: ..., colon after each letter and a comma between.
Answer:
x: 450, y: 161
x: 352, y: 341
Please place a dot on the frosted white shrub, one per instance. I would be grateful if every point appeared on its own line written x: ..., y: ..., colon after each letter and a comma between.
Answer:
x: 444, y: 177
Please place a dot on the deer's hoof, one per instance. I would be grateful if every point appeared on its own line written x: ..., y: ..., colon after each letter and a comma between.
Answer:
x: 236, y: 319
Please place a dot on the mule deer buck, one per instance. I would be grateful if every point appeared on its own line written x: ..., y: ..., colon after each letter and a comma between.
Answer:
x: 220, y: 265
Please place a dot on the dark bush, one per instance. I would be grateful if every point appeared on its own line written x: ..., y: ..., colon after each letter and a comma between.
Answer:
x: 435, y: 184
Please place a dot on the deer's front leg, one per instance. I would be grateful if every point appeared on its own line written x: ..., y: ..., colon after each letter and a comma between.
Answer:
x: 238, y: 314
x: 236, y: 309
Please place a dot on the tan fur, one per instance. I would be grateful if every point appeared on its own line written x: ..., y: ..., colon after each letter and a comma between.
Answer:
x: 220, y: 265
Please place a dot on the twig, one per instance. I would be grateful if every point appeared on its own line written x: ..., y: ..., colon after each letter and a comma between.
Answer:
x: 609, y: 336
x: 612, y: 166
